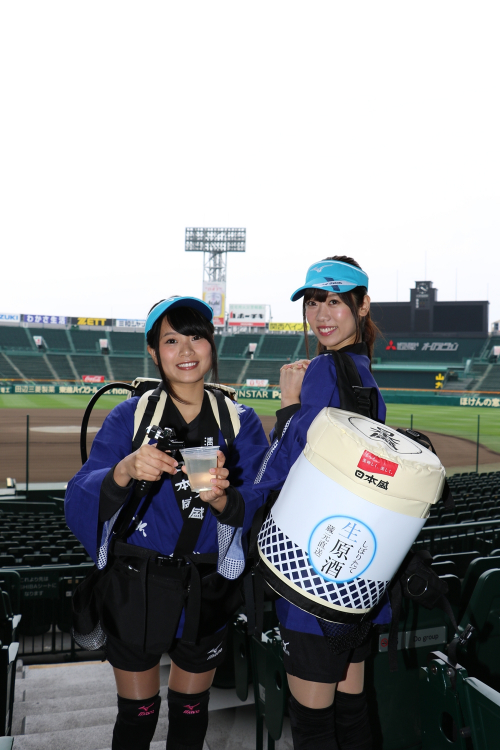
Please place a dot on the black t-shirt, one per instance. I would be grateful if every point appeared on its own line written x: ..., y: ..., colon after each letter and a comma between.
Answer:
x: 202, y: 430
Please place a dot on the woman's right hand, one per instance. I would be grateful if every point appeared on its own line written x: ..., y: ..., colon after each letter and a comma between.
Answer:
x: 291, y: 377
x: 146, y: 464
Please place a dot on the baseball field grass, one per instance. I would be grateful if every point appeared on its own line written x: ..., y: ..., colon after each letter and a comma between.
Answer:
x: 459, y: 421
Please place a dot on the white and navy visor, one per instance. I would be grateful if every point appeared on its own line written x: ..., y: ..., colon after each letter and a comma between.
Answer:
x: 332, y: 276
x: 175, y: 301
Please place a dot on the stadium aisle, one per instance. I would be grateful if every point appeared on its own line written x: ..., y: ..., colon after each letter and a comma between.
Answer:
x: 73, y: 707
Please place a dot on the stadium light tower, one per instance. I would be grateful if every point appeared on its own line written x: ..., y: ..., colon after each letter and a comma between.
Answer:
x: 215, y: 243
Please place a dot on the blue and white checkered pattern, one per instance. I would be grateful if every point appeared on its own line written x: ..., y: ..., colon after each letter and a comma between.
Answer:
x: 107, y: 530
x: 231, y: 562
x: 293, y: 562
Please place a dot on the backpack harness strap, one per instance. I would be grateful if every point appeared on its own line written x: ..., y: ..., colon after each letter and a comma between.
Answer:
x: 353, y: 395
x: 149, y: 411
x: 226, y: 415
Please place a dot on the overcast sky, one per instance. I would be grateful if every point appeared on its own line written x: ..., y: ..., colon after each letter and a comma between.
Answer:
x: 370, y: 129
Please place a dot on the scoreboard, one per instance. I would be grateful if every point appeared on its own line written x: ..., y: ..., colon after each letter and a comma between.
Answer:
x: 424, y: 314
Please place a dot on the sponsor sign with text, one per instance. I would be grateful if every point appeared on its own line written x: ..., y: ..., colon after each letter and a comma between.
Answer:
x: 427, y: 346
x: 10, y: 318
x: 94, y: 322
x: 286, y: 327
x: 93, y: 378
x: 214, y: 294
x: 60, y: 320
x: 261, y: 383
x: 247, y: 315
x: 126, y: 323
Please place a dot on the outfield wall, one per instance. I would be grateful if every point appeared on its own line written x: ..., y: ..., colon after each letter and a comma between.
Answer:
x: 424, y: 398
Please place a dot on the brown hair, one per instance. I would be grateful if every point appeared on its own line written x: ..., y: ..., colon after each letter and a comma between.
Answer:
x: 187, y: 322
x: 366, y: 330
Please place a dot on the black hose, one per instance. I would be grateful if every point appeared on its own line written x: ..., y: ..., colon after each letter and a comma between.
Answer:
x: 88, y: 411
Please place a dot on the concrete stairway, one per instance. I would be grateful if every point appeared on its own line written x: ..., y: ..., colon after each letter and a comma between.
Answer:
x: 73, y: 707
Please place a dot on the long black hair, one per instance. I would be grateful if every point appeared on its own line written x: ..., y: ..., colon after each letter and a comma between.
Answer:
x: 366, y: 330
x: 187, y: 322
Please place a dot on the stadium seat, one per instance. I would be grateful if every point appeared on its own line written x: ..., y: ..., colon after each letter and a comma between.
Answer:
x: 53, y: 550
x: 454, y: 588
x: 476, y: 568
x: 461, y: 560
x: 7, y: 561
x: 480, y: 655
x: 36, y: 560
x: 444, y: 567
x: 10, y: 583
x: 73, y: 558
x: 448, y: 706
x: 8, y: 620
x: 22, y: 551
x: 8, y: 658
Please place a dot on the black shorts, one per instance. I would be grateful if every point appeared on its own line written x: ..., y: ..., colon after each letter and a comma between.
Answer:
x: 204, y: 656
x: 309, y: 657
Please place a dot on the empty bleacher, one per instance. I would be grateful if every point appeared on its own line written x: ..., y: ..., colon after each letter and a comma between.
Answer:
x: 87, y: 341
x: 6, y: 369
x: 55, y: 339
x: 491, y: 380
x: 264, y: 369
x: 128, y: 343
x: 151, y: 369
x: 301, y: 352
x: 127, y: 368
x: 12, y: 337
x: 278, y: 347
x: 392, y: 366
x: 237, y: 346
x: 230, y: 370
x: 61, y: 365
x: 87, y: 365
x: 32, y: 366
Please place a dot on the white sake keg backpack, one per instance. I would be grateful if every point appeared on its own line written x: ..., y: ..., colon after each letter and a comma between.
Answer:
x: 353, y: 503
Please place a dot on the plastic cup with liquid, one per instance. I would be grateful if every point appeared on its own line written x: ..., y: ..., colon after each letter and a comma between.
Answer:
x: 198, y: 462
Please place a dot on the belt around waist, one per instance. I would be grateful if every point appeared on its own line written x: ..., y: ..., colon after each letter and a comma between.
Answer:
x: 170, y: 561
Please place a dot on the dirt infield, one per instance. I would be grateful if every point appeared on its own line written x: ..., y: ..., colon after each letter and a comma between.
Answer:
x: 54, y: 444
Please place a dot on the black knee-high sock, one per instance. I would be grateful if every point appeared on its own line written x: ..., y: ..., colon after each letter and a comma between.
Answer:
x: 312, y: 728
x: 187, y: 720
x: 351, y: 721
x: 136, y: 723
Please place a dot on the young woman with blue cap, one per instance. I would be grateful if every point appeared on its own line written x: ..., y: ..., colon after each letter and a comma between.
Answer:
x: 328, y: 706
x: 180, y: 338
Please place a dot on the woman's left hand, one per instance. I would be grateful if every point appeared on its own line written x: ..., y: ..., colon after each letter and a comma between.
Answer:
x: 217, y: 496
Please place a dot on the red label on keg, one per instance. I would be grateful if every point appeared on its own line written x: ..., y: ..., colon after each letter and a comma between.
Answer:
x: 377, y: 465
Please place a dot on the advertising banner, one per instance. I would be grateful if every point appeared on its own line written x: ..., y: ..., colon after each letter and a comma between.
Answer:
x: 126, y: 323
x: 286, y: 327
x: 419, y: 346
x: 260, y: 383
x: 85, y: 390
x: 247, y: 315
x: 60, y: 320
x: 96, y: 322
x: 214, y: 294
x: 93, y: 378
x: 10, y: 318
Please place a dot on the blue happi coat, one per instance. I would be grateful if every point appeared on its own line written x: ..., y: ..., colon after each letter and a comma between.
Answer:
x: 319, y: 389
x: 161, y: 523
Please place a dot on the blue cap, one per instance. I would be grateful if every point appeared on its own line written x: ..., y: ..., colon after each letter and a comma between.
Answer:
x: 332, y: 276
x: 176, y: 301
